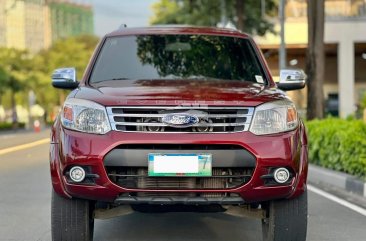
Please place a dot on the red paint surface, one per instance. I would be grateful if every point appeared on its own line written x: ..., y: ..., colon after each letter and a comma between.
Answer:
x: 75, y: 148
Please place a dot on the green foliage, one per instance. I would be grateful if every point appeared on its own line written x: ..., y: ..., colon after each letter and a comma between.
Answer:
x: 14, y: 65
x: 70, y: 52
x: 9, y: 126
x: 363, y: 101
x: 208, y: 13
x: 6, y: 126
x: 4, y: 77
x: 338, y: 144
x: 21, y: 72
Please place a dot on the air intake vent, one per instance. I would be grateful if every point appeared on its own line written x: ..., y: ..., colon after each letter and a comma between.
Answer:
x: 137, y: 178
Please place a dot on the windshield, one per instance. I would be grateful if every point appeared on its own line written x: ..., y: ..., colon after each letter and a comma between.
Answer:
x: 177, y: 57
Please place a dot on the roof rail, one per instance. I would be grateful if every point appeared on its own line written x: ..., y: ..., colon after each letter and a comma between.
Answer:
x: 122, y: 26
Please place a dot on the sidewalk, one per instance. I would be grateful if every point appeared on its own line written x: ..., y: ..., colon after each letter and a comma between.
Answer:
x: 16, y: 131
x: 322, y: 176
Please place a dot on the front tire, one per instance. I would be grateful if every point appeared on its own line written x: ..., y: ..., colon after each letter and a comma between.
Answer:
x: 286, y: 219
x: 71, y: 219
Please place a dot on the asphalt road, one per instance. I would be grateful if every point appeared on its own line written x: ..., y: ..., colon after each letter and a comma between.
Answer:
x: 25, y: 209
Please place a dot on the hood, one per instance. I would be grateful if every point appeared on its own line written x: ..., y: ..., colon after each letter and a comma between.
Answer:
x: 177, y: 92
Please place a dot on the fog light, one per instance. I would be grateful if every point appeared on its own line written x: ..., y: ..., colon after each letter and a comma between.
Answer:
x: 77, y: 174
x: 281, y: 175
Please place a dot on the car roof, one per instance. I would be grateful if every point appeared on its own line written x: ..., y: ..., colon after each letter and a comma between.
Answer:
x: 176, y: 29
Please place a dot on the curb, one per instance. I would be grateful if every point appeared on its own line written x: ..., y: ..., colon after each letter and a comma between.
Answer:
x: 340, y: 180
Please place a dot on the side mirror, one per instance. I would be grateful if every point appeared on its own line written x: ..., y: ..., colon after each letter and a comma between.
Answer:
x: 292, y: 79
x: 65, y: 78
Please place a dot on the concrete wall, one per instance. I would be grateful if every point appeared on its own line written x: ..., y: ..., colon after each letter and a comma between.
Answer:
x: 343, y: 68
x: 346, y: 34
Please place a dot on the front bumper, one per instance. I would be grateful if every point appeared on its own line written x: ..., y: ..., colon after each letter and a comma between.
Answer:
x: 71, y: 148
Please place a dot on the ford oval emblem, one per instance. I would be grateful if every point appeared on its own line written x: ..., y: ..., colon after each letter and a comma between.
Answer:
x: 180, y: 120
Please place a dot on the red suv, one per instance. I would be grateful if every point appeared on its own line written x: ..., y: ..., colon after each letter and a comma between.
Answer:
x: 187, y: 116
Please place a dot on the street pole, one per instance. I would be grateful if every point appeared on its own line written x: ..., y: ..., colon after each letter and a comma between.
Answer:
x: 31, y: 102
x: 263, y: 8
x: 223, y: 14
x: 282, y: 51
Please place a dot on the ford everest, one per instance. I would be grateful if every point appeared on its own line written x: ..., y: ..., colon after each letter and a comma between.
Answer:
x: 178, y: 116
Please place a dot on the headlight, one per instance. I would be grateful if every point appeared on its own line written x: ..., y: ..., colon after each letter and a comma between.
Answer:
x: 85, y: 116
x: 274, y: 117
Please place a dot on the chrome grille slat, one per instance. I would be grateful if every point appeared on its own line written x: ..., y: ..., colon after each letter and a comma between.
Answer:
x: 162, y: 124
x: 161, y: 115
x: 212, y: 119
x: 186, y: 107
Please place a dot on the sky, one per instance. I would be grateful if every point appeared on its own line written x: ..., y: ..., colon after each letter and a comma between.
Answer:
x: 110, y: 14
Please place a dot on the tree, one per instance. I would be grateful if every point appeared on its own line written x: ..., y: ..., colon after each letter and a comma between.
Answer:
x: 69, y: 52
x: 315, y: 59
x: 14, y: 65
x: 21, y: 72
x: 246, y: 15
x: 3, y: 82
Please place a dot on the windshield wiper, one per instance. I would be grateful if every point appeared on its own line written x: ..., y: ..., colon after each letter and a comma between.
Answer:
x: 202, y: 77
x: 121, y: 78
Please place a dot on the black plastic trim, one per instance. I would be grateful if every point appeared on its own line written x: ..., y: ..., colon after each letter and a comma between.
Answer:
x: 291, y: 86
x: 67, y: 85
x: 180, y: 200
x: 220, y: 158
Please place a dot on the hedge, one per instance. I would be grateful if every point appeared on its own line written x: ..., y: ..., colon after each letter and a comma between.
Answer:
x: 9, y: 126
x: 338, y: 144
x: 5, y: 126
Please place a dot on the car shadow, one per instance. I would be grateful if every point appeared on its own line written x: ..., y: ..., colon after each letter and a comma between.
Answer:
x: 177, y: 226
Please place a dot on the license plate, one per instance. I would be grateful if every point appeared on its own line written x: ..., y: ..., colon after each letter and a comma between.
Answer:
x: 174, y: 165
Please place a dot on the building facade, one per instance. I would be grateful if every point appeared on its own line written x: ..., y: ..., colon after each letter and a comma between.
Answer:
x: 35, y: 24
x: 37, y: 29
x: 70, y: 19
x: 345, y: 49
x: 2, y: 23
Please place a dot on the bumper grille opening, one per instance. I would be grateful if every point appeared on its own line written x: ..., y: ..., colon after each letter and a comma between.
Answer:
x: 137, y: 178
x: 232, y: 167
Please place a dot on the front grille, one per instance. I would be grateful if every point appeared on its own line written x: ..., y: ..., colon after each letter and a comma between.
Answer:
x: 137, y: 178
x: 210, y: 119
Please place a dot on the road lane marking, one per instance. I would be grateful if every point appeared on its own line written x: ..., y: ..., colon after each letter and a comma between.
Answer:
x: 24, y: 146
x: 338, y: 200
